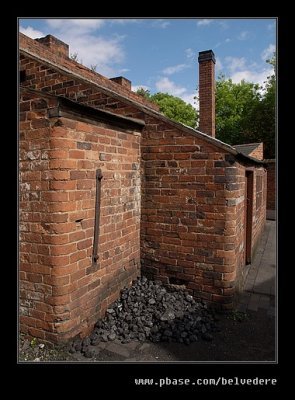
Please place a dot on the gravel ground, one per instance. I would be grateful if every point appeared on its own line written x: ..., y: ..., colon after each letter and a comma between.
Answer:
x: 38, y: 351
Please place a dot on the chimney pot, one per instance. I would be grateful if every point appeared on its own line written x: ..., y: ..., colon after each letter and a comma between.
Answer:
x: 206, y: 55
x: 207, y: 92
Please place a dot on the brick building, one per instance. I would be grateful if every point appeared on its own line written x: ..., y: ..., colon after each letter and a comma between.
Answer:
x: 254, y: 150
x: 110, y: 188
x: 271, y: 188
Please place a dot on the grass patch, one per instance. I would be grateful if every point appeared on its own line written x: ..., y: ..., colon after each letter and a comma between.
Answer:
x: 239, y: 316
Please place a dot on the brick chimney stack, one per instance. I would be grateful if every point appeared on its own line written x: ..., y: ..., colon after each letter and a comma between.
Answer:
x: 207, y: 92
x: 122, y: 81
x: 57, y: 46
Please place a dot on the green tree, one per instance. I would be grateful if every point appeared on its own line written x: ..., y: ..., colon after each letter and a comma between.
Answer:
x: 263, y: 117
x: 245, y: 113
x: 234, y: 102
x: 172, y: 107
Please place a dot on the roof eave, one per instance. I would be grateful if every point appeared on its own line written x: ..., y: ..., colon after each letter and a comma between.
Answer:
x: 216, y: 142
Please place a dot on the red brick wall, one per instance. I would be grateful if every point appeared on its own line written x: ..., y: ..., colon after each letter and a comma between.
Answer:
x: 193, y: 223
x: 34, y: 146
x: 187, y: 230
x: 192, y: 226
x: 258, y: 152
x: 258, y: 210
x: 238, y: 204
x: 271, y: 185
x: 38, y: 74
x: 56, y: 46
x: 47, y: 79
x: 259, y: 206
x: 61, y: 295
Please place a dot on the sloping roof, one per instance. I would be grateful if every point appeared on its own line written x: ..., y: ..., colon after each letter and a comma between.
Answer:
x: 37, y: 51
x: 247, y: 148
x: 64, y: 106
x: 40, y: 52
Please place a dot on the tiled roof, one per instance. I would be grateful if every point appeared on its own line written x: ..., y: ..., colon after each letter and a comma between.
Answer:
x: 247, y: 148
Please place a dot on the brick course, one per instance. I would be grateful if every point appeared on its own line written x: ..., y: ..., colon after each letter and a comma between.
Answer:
x: 183, y: 191
x: 57, y: 199
x: 207, y: 92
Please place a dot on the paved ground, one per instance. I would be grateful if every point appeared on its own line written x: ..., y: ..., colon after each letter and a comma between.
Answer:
x: 271, y: 214
x: 260, y: 282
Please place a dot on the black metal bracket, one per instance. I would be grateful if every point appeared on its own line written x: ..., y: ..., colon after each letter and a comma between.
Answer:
x: 95, y: 256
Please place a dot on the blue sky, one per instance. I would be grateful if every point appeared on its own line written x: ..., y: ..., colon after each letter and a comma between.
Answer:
x: 161, y: 54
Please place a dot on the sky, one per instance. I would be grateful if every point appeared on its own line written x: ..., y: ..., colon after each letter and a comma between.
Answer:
x: 161, y: 54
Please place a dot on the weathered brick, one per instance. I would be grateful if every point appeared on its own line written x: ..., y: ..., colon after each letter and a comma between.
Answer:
x: 186, y: 193
x: 84, y: 145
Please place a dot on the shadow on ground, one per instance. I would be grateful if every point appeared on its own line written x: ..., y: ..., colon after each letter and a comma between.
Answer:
x: 243, y: 337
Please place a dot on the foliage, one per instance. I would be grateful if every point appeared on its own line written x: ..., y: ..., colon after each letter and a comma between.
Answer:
x: 172, y: 107
x: 74, y: 56
x: 144, y: 93
x: 245, y: 113
x: 239, y: 316
x: 234, y: 101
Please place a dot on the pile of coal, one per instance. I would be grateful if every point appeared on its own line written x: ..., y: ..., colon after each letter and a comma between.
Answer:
x: 149, y: 311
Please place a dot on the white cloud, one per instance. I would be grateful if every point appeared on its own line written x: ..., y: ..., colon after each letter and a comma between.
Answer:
x: 240, y: 69
x: 175, y: 68
x: 31, y: 32
x: 244, y: 35
x: 235, y: 63
x: 204, y: 22
x: 160, y: 23
x: 96, y: 50
x: 189, y: 53
x: 218, y: 64
x: 123, y: 70
x: 268, y: 52
x: 92, y: 49
x: 136, y: 87
x: 252, y: 76
x: 124, y: 21
x: 81, y: 25
x: 189, y: 98
x: 227, y: 40
x: 165, y: 85
x: 271, y: 26
x: 223, y: 24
